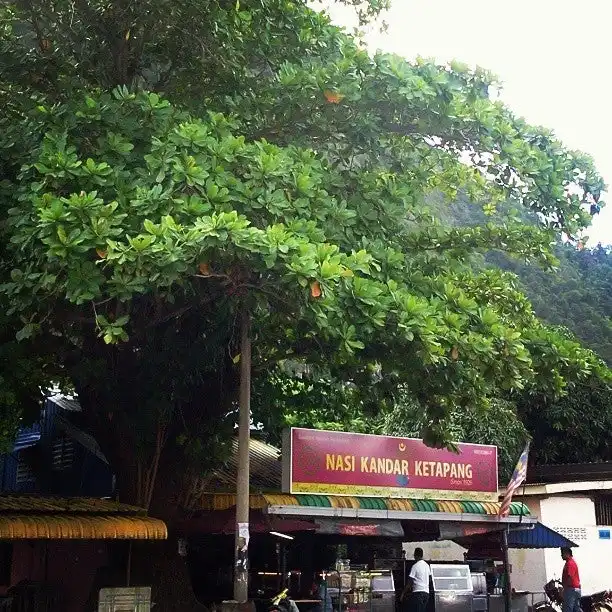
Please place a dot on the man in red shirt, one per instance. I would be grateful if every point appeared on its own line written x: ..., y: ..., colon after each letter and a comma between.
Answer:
x: 571, y: 582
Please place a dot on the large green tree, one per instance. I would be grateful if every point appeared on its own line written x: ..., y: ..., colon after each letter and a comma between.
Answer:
x: 283, y: 174
x: 473, y: 333
x: 128, y: 218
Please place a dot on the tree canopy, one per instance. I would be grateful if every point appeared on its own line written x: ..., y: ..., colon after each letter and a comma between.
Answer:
x: 157, y: 185
x: 573, y: 295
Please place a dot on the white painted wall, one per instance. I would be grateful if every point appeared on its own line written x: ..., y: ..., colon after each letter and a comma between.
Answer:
x: 528, y: 571
x: 574, y: 517
x: 528, y: 566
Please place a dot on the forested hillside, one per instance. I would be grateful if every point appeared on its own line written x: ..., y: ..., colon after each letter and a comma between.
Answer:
x: 578, y: 296
x: 576, y: 293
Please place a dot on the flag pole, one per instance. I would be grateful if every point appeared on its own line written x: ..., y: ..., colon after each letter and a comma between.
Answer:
x: 522, y: 502
x: 508, y: 585
x: 518, y: 477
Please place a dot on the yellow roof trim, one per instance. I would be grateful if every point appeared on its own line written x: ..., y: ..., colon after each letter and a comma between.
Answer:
x: 67, y: 527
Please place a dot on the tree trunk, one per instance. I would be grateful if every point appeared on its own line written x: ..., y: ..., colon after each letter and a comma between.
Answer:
x: 159, y: 565
x: 144, y: 408
x: 156, y: 564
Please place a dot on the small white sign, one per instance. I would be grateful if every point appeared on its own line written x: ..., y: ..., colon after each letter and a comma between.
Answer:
x: 243, y: 532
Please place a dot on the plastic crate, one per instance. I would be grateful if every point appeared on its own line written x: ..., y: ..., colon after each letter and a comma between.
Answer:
x: 128, y: 599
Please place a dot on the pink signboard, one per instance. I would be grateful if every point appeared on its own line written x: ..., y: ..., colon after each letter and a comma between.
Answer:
x: 336, y: 463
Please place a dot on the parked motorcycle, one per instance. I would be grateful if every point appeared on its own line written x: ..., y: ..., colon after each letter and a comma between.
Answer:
x: 597, y: 602
x: 282, y: 603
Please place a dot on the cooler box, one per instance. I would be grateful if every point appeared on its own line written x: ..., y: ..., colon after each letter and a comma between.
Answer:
x: 453, y: 590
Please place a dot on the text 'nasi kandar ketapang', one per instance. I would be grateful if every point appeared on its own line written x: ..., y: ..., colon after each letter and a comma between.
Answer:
x: 399, y: 467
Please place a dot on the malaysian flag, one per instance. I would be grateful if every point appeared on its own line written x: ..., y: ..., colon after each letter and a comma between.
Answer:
x: 518, y: 477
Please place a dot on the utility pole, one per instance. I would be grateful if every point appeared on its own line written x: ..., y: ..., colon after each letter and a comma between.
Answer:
x: 241, y: 575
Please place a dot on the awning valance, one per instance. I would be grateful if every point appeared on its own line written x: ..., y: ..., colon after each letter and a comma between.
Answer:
x: 81, y: 518
x: 66, y: 527
x: 372, y: 507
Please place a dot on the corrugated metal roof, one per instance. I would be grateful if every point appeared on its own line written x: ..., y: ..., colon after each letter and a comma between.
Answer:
x: 70, y: 404
x: 570, y: 472
x: 225, y: 501
x: 30, y: 436
x: 265, y: 469
x: 70, y: 527
x: 22, y: 504
x: 540, y: 536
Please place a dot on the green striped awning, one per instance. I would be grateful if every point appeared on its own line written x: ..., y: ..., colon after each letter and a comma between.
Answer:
x: 259, y: 502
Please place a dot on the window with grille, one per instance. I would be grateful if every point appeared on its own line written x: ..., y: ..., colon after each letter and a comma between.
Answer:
x: 603, y: 510
x: 63, y: 453
x: 24, y: 472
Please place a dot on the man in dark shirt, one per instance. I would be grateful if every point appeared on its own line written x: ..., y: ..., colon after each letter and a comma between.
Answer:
x: 490, y: 576
x: 571, y: 582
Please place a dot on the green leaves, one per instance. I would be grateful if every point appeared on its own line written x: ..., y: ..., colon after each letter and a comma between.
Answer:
x: 186, y: 170
x: 262, y: 217
x: 308, y: 199
x: 26, y: 332
x: 112, y: 332
x: 498, y: 423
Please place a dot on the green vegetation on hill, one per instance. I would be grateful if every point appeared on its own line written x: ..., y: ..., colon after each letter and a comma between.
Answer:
x: 575, y: 292
x: 576, y: 295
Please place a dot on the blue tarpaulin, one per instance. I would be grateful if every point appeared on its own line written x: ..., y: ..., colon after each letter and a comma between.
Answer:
x: 540, y: 536
x: 489, y: 545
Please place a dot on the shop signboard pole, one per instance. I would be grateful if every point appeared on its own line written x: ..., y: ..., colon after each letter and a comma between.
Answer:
x: 241, y: 576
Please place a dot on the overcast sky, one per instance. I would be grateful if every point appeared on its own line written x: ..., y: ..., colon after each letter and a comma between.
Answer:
x: 553, y: 57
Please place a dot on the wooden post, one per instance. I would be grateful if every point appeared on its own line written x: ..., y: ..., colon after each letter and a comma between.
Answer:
x: 508, y: 585
x: 241, y: 576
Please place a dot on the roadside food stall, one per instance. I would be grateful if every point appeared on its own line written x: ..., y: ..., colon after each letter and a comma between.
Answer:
x: 360, y: 589
x: 433, y: 493
x: 362, y: 496
x: 490, y: 546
